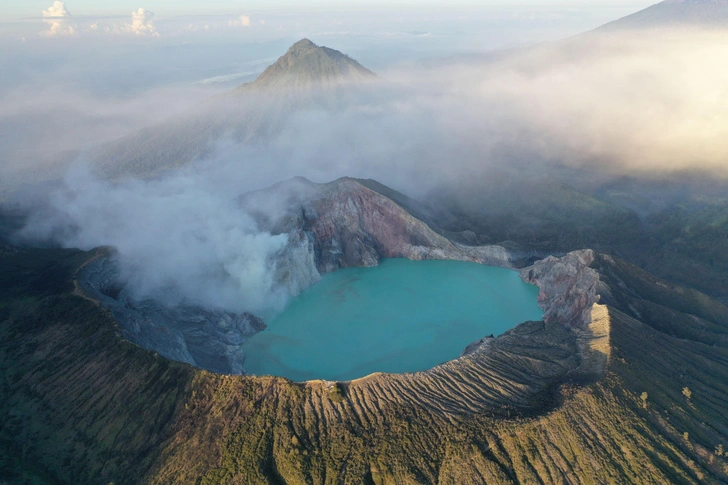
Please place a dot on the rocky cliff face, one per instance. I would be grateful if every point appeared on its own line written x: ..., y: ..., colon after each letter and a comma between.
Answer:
x: 345, y: 224
x: 570, y: 292
x: 353, y: 226
x: 204, y: 338
x: 569, y: 287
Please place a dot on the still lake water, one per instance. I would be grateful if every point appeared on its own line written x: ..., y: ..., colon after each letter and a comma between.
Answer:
x: 401, y: 316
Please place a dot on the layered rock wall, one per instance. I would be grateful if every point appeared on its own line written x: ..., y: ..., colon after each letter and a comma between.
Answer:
x: 208, y: 339
x: 569, y: 295
x: 344, y: 224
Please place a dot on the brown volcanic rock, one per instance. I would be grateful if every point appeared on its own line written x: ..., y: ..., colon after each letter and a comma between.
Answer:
x: 358, y: 226
x: 352, y: 225
x: 570, y: 292
x: 569, y: 288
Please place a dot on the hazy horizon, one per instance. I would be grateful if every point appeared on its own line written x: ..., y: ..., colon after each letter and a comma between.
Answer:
x: 32, y: 8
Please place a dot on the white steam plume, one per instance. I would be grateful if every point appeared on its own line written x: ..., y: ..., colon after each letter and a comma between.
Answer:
x: 624, y: 104
x: 177, y: 240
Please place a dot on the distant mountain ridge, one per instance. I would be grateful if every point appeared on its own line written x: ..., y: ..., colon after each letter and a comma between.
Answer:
x: 674, y: 13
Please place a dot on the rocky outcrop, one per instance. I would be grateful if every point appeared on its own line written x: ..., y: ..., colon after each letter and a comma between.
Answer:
x: 568, y: 287
x: 361, y: 226
x: 353, y: 226
x: 296, y: 264
x: 569, y: 295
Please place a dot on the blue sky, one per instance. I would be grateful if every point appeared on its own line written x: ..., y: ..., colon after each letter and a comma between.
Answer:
x: 31, y: 8
x: 29, y: 19
x: 118, y: 46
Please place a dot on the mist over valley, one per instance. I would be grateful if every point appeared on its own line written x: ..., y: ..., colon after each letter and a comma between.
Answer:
x: 188, y: 201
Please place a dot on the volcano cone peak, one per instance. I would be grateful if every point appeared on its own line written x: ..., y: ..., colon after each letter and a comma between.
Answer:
x: 306, y: 64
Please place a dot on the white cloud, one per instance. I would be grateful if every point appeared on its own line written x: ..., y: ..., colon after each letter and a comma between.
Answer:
x: 142, y: 23
x: 58, y: 9
x: 57, y: 17
x: 58, y: 27
x: 242, y: 21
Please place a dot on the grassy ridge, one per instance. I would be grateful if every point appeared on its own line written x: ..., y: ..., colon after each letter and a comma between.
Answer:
x: 80, y: 405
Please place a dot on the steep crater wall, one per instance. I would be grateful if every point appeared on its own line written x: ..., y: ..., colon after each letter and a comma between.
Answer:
x: 345, y: 224
x: 208, y: 339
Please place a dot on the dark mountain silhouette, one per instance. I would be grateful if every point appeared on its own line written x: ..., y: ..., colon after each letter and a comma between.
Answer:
x: 306, y: 66
x: 673, y: 13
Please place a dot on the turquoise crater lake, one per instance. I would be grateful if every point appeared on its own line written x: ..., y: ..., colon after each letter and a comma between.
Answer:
x: 401, y: 316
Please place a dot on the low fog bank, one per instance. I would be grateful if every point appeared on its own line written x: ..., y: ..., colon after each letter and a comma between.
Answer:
x: 651, y: 107
x: 648, y: 106
x: 44, y: 129
x: 607, y: 106
x: 645, y: 105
